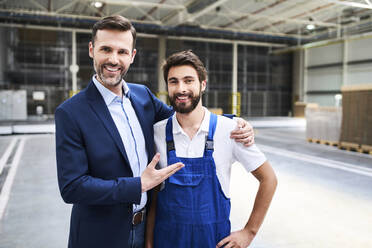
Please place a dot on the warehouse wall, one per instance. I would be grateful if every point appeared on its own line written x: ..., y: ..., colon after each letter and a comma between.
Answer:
x: 358, y: 72
x: 324, y: 74
x: 329, y: 67
x: 40, y: 60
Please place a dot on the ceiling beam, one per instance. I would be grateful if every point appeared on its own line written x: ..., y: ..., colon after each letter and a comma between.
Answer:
x: 243, y: 16
x: 54, y: 14
x: 213, y: 6
x: 177, y: 14
x: 151, y: 11
x: 66, y: 6
x: 302, y: 14
x: 140, y: 4
x: 352, y: 4
x: 38, y: 5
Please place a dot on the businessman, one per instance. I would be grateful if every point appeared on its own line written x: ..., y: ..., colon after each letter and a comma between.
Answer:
x: 105, y: 146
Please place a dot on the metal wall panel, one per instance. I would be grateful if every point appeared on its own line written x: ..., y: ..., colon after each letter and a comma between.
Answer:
x: 324, y: 79
x: 325, y: 55
x: 359, y: 74
x: 360, y: 49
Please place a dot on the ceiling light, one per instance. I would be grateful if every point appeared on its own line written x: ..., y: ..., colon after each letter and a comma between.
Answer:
x: 310, y: 27
x: 97, y: 4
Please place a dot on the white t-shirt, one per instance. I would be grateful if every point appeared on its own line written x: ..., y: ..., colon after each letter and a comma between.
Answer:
x: 226, y: 150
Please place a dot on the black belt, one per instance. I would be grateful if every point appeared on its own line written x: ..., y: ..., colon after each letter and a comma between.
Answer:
x: 138, y: 217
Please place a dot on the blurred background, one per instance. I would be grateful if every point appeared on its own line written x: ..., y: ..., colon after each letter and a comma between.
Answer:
x: 300, y: 71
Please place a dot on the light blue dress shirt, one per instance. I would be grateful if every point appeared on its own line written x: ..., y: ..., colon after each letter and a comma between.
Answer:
x: 126, y: 121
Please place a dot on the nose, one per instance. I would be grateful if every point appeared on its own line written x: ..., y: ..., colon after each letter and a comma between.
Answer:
x: 182, y: 86
x: 113, y: 59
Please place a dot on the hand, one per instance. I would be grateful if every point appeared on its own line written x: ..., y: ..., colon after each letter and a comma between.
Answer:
x: 152, y: 177
x: 243, y: 132
x: 239, y: 239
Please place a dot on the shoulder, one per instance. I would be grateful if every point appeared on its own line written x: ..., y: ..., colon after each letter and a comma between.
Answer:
x: 142, y: 93
x: 160, y: 125
x: 225, y: 124
x: 138, y: 87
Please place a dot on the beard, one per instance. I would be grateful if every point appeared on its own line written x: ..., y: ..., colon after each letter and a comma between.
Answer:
x: 106, y: 79
x: 182, y: 107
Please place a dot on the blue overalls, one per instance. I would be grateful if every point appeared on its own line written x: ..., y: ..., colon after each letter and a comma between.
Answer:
x: 192, y: 210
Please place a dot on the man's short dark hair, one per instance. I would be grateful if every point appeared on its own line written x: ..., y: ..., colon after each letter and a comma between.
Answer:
x: 115, y: 22
x: 185, y: 58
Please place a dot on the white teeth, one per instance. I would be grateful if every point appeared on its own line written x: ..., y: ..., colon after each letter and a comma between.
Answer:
x: 112, y: 69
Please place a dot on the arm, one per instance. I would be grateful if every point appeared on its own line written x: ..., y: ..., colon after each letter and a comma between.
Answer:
x: 243, y: 238
x: 150, y: 222
x: 162, y: 110
x: 78, y: 186
x: 75, y: 182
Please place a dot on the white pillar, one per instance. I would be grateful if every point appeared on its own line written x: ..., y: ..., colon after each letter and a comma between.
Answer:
x: 162, y: 87
x: 305, y: 80
x: 3, y: 55
x: 74, y: 68
x: 235, y: 78
x: 344, y: 63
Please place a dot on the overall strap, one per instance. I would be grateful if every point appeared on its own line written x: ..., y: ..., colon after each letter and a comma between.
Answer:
x: 209, y: 145
x: 169, y: 138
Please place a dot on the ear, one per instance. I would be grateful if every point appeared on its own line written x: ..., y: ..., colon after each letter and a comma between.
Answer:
x: 133, y: 55
x: 203, y: 85
x: 91, y: 49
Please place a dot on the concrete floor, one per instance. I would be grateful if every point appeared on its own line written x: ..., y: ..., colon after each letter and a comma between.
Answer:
x: 323, y: 199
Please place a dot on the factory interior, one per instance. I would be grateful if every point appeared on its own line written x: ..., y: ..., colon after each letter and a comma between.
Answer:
x: 299, y: 71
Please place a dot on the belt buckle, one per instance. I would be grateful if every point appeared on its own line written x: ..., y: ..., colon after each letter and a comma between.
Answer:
x: 138, y: 217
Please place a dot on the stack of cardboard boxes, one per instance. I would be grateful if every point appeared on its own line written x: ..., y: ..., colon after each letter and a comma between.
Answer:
x: 323, y: 124
x: 356, y: 131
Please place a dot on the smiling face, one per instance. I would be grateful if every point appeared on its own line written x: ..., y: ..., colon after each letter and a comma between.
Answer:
x: 112, y: 55
x: 184, y: 88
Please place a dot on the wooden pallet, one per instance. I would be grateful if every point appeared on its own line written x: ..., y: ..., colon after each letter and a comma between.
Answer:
x: 324, y: 142
x: 313, y: 140
x: 329, y: 143
x: 366, y: 149
x: 349, y: 146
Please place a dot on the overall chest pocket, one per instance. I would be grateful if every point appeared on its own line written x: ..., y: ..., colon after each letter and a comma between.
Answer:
x: 186, y: 179
x: 188, y: 192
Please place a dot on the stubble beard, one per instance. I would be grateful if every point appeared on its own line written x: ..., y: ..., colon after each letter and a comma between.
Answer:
x: 109, y: 81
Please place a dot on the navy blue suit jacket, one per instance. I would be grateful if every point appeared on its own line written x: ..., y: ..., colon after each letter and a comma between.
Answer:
x: 93, y: 168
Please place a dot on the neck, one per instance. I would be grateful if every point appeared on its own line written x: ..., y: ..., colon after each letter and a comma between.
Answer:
x: 191, y: 122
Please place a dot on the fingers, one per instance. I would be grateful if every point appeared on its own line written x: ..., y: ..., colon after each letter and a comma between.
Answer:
x: 154, y: 161
x: 241, y: 123
x: 223, y: 242
x: 249, y: 142
x: 241, y: 134
x: 231, y: 245
x: 170, y: 170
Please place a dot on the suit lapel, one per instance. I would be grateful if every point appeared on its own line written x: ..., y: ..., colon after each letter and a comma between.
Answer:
x: 99, y: 107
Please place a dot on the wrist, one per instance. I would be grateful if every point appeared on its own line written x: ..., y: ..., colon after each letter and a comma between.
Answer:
x: 250, y: 231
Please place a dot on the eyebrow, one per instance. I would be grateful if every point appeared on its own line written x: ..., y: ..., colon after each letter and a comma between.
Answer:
x: 120, y: 49
x: 186, y: 77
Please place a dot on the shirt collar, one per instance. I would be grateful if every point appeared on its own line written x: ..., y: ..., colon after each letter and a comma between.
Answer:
x: 204, y: 127
x: 108, y: 95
